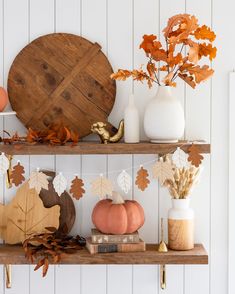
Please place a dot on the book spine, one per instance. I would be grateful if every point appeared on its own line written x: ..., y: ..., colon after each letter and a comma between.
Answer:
x: 109, y: 248
x: 115, y: 239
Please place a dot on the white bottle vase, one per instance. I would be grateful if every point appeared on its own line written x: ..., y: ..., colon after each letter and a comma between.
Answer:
x: 131, y: 122
x: 164, y: 117
x: 180, y: 225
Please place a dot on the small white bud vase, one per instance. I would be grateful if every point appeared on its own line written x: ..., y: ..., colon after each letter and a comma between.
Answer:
x: 180, y: 225
x: 164, y: 117
x: 131, y: 122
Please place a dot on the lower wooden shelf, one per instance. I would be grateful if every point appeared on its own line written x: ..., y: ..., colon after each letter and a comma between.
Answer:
x: 15, y: 255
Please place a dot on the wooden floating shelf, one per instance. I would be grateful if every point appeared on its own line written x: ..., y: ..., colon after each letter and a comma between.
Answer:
x: 15, y: 255
x: 97, y: 148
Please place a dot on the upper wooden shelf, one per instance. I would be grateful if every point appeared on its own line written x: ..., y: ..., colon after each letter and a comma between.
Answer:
x: 15, y: 255
x: 98, y: 148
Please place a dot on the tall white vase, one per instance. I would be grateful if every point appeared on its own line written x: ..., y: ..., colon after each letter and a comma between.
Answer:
x: 164, y: 117
x: 131, y: 122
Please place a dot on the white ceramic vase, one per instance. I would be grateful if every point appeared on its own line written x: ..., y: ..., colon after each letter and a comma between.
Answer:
x: 181, y: 225
x: 164, y: 117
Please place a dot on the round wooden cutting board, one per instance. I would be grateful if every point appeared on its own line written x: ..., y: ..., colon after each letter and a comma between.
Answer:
x: 61, y: 78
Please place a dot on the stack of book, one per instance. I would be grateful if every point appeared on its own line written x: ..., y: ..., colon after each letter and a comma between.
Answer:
x: 104, y: 243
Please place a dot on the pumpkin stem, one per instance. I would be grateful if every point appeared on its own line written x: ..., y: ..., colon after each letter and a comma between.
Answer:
x: 117, y: 198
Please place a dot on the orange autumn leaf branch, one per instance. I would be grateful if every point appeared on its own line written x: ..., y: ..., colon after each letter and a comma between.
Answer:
x: 184, y: 49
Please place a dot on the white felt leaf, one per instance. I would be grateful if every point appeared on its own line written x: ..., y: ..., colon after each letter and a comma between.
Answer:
x: 37, y: 181
x: 124, y: 181
x: 4, y: 164
x: 101, y: 187
x: 60, y: 184
x: 180, y: 158
x: 163, y: 170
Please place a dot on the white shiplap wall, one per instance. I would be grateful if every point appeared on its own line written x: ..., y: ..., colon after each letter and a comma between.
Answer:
x: 118, y: 26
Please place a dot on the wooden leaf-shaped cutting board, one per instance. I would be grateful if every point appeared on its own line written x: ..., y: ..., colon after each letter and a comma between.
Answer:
x: 26, y: 215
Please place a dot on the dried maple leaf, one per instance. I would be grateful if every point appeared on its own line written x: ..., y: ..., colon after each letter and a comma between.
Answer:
x: 194, y: 156
x: 142, y: 180
x: 204, y: 33
x: 163, y: 170
x: 76, y: 189
x: 16, y: 176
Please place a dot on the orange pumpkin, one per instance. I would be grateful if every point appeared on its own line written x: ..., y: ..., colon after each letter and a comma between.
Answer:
x: 3, y: 98
x: 118, y: 216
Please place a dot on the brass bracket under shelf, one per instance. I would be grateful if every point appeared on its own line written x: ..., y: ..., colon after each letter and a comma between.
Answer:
x: 9, y: 171
x: 163, y: 276
x: 8, y: 275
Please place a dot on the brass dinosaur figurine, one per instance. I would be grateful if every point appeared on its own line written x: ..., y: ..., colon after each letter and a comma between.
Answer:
x: 105, y: 137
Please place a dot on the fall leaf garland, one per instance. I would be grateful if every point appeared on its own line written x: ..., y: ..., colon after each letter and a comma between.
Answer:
x: 77, y: 189
x: 16, y: 176
x: 142, y: 180
x: 182, y: 32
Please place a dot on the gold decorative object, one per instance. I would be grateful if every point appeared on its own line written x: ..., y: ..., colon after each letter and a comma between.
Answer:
x: 163, y: 276
x: 9, y: 171
x: 8, y: 275
x: 162, y: 246
x: 99, y: 128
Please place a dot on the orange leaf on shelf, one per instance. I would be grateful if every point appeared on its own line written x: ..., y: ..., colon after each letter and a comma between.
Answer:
x: 142, y: 180
x: 194, y: 156
x: 76, y: 189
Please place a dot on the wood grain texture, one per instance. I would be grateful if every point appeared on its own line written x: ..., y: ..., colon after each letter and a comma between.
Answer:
x: 61, y: 77
x: 198, y: 255
x: 180, y: 234
x: 26, y: 215
x: 67, y: 209
x: 98, y: 148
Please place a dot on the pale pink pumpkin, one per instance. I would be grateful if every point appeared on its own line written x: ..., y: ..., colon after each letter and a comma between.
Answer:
x: 3, y: 98
x: 118, y: 216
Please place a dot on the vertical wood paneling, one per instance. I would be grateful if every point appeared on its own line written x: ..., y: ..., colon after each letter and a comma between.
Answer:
x: 223, y: 24
x: 145, y: 278
x: 93, y: 277
x: 42, y: 17
x: 231, y: 203
x: 175, y: 274
x: 20, y: 273
x: 117, y: 163
x: 120, y: 50
x: 69, y: 165
x: 38, y: 284
x: 15, y: 38
x: 68, y: 16
x: 198, y: 120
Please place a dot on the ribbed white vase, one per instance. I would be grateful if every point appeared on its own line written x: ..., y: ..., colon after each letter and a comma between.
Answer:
x: 164, y: 117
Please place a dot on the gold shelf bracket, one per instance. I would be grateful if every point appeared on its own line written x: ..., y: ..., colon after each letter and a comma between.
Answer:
x: 8, y: 275
x: 163, y: 276
x: 9, y: 171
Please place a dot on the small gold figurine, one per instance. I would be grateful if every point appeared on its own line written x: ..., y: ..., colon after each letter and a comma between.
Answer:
x: 162, y: 246
x: 105, y: 137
